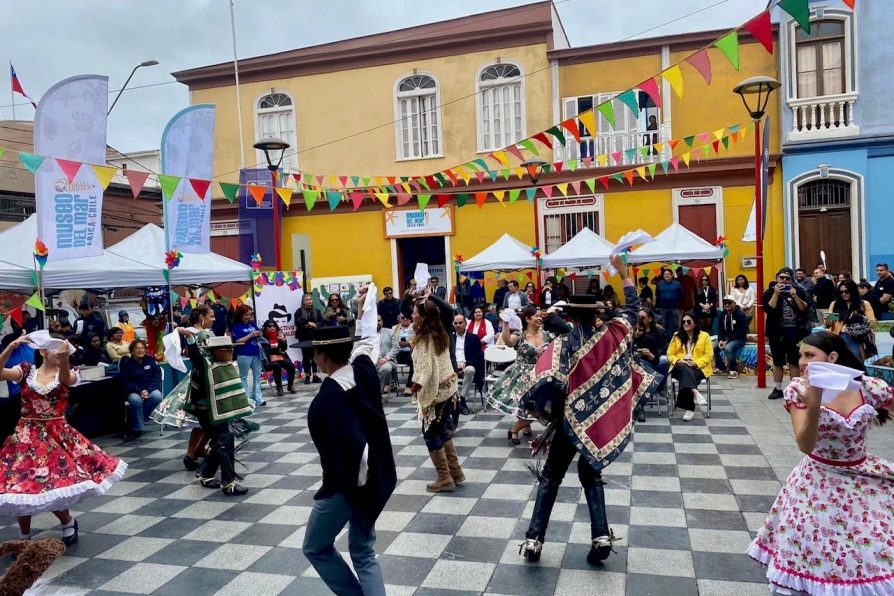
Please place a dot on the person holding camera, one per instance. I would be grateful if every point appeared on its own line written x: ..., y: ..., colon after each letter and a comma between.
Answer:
x: 786, y: 308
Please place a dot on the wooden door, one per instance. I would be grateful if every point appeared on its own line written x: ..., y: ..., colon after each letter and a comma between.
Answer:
x: 702, y: 220
x: 828, y: 231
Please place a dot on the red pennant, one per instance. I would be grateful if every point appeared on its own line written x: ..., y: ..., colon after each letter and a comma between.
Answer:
x: 650, y: 87
x: 357, y: 199
x: 557, y: 166
x: 603, y: 180
x: 480, y: 197
x: 257, y: 192
x: 762, y: 30
x: 136, y: 179
x: 69, y: 168
x: 200, y: 186
x: 571, y: 126
x: 702, y: 63
x: 442, y: 199
x: 541, y: 136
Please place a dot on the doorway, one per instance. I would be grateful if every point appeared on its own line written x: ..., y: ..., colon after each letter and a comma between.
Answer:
x: 824, y: 224
x: 424, y: 249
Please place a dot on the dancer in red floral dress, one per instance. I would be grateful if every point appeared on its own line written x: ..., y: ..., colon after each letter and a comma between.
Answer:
x: 831, y: 529
x: 46, y: 465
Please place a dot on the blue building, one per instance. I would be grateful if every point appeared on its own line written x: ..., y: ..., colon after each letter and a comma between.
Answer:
x: 838, y: 136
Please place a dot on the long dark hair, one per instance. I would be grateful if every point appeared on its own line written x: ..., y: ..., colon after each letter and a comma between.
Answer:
x: 696, y: 329
x: 431, y: 329
x: 854, y: 304
x: 829, y: 342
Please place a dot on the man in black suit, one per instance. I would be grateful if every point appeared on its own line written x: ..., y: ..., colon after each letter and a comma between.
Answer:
x: 348, y: 427
x: 469, y: 362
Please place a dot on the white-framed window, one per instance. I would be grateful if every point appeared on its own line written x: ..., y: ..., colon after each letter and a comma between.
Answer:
x: 501, y: 105
x: 562, y: 218
x: 417, y: 116
x: 275, y: 117
x: 629, y: 131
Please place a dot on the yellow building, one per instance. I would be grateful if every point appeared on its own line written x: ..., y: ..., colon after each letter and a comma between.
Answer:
x: 421, y: 100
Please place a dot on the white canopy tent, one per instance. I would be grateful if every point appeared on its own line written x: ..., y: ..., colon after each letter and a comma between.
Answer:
x: 103, y: 271
x: 507, y: 253
x: 147, y: 247
x: 585, y: 249
x: 676, y: 243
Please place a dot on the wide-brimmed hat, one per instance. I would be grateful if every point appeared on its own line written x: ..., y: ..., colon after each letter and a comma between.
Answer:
x: 326, y: 336
x: 584, y: 301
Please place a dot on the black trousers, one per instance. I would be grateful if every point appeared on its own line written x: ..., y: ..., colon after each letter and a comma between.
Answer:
x: 561, y: 454
x: 221, y: 450
x: 438, y: 431
x: 688, y: 378
x: 277, y: 367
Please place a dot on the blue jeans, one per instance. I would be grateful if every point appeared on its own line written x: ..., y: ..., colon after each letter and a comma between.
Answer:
x: 327, y: 519
x: 730, y: 351
x: 140, y: 409
x: 251, y: 364
x: 670, y: 320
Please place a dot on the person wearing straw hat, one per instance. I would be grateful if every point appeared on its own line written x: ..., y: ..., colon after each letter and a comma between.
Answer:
x: 348, y: 427
x: 585, y: 387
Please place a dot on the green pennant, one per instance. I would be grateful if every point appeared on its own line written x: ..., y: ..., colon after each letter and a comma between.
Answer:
x: 529, y: 145
x: 689, y: 140
x: 531, y: 192
x: 423, y: 201
x: 725, y: 141
x: 30, y: 161
x: 664, y: 164
x: 334, y: 199
x: 168, y: 185
x: 513, y: 195
x: 229, y: 190
x: 310, y: 198
x: 652, y: 167
x: 461, y: 199
x: 591, y: 184
x: 557, y: 132
x: 729, y: 43
x: 630, y: 100
x: 799, y: 10
x: 607, y: 110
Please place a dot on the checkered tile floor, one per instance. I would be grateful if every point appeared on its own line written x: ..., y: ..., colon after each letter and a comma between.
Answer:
x: 683, y: 497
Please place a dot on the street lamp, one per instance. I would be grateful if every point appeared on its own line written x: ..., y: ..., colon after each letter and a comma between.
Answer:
x: 124, y: 86
x: 268, y: 146
x: 755, y: 93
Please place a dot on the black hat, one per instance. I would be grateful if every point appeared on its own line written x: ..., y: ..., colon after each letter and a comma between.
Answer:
x: 584, y: 301
x: 326, y: 336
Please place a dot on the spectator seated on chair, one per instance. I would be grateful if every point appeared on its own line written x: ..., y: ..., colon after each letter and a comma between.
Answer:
x: 141, y: 377
x: 732, y: 331
x: 389, y: 347
x: 469, y: 361
x: 692, y: 361
x: 276, y: 355
x: 116, y: 346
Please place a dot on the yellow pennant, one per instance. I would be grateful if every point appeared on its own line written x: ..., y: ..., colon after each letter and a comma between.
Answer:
x: 588, y: 119
x: 104, y: 174
x: 674, y: 76
x: 285, y: 194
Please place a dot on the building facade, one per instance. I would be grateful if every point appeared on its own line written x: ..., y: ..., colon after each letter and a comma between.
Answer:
x: 838, y: 140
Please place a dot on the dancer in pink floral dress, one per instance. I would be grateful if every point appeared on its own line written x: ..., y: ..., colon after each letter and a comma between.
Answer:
x: 831, y: 529
x: 46, y: 465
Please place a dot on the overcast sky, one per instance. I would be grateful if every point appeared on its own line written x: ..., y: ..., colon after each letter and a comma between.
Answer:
x: 49, y: 40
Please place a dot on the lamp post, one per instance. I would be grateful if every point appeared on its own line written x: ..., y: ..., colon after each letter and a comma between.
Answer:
x: 124, y: 86
x: 268, y: 146
x: 758, y: 90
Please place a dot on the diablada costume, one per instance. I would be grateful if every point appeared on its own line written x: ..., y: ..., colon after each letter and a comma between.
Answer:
x: 585, y: 386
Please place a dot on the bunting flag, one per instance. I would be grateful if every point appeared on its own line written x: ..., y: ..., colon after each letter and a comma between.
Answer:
x: 168, y: 185
x: 729, y: 45
x: 229, y: 191
x: 762, y: 29
x: 800, y: 11
x: 257, y: 193
x: 285, y: 195
x: 30, y: 160
x: 104, y: 174
x: 137, y: 180
x: 702, y: 63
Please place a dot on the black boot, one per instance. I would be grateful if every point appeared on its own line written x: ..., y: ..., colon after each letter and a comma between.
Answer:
x: 601, y: 534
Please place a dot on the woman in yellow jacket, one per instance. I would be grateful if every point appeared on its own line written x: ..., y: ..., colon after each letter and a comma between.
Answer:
x: 691, y: 357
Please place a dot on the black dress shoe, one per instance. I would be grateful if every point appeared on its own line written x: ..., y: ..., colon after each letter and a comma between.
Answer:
x: 132, y: 435
x: 775, y: 394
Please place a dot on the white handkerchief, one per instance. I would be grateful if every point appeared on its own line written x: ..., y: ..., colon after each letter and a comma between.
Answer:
x: 628, y: 241
x: 41, y: 340
x: 171, y: 342
x: 368, y: 318
x: 421, y: 275
x: 832, y: 378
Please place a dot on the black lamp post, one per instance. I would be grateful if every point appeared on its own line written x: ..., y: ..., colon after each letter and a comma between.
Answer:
x: 272, y: 146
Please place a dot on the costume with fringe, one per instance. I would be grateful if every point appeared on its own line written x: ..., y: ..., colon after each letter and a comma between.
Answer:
x: 46, y: 465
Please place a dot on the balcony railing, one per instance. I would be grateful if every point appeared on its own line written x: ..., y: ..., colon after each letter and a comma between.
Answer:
x: 830, y: 116
x: 628, y: 146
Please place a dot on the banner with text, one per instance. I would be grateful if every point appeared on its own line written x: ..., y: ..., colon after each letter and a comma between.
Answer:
x: 187, y: 151
x: 70, y: 125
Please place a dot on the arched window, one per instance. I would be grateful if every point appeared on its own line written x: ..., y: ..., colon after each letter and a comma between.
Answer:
x: 417, y: 117
x: 276, y: 118
x: 501, y: 107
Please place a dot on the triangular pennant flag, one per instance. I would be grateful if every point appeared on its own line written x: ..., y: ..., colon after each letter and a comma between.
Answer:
x: 136, y: 179
x: 529, y: 145
x: 333, y: 198
x: 442, y: 199
x: 285, y: 194
x: 356, y: 199
x: 513, y: 195
x: 800, y: 11
x: 650, y: 87
x: 557, y: 132
x: 702, y: 63
x: 729, y: 45
x: 631, y: 101
x: 588, y: 119
x: 571, y: 126
x: 200, y: 186
x: 531, y: 193
x: 257, y: 193
x: 229, y: 190
x: 69, y: 168
x: 104, y: 175
x: 36, y: 302
x: 480, y: 198
x: 310, y: 198
x: 403, y: 198
x: 461, y: 199
x: 607, y: 110
x: 762, y: 30
x: 30, y: 160
x: 168, y: 185
x: 674, y: 76
x: 423, y: 201
x: 563, y: 188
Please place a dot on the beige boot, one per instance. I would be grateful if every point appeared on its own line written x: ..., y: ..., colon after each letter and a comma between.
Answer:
x: 443, y: 483
x: 456, y: 472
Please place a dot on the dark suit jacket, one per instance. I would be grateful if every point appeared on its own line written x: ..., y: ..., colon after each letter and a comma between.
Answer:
x: 474, y: 356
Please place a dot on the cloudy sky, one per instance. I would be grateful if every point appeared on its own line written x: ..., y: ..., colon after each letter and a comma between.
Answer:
x: 49, y: 40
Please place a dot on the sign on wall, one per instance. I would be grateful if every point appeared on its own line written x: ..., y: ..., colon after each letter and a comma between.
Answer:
x: 407, y: 223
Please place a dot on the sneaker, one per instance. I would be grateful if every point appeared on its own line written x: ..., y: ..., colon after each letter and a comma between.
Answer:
x: 699, y: 399
x: 775, y: 394
x: 688, y: 415
x: 732, y: 375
